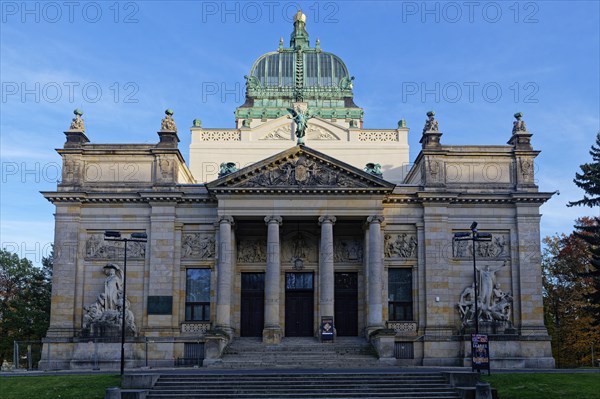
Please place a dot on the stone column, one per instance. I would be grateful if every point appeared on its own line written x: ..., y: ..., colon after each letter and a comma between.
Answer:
x: 326, y: 266
x: 224, y: 274
x: 375, y: 272
x: 272, y: 330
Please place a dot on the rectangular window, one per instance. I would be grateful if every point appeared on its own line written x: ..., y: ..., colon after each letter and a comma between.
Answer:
x: 298, y: 281
x: 400, y: 295
x: 197, y: 295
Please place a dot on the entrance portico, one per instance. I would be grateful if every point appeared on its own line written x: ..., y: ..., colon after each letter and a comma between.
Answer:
x: 302, y: 246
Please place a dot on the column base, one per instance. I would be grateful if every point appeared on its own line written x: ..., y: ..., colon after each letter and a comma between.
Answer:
x: 272, y: 335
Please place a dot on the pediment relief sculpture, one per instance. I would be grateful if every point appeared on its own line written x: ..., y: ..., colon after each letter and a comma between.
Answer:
x: 497, y: 248
x: 281, y: 133
x: 303, y: 171
x: 347, y: 250
x: 320, y: 133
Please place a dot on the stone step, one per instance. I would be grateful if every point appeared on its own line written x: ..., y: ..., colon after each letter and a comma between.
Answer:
x: 304, y: 385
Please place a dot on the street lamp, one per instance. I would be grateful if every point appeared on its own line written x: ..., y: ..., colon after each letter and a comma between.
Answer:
x: 474, y: 236
x: 111, y: 235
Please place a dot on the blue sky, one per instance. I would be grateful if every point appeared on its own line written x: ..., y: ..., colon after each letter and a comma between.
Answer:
x: 123, y: 63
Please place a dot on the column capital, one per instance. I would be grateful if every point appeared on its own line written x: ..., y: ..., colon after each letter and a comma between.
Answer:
x: 327, y: 219
x: 375, y: 219
x: 273, y: 219
x: 225, y: 219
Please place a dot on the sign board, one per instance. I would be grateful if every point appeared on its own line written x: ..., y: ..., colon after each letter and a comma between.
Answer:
x: 480, y: 352
x: 326, y: 328
x: 160, y: 304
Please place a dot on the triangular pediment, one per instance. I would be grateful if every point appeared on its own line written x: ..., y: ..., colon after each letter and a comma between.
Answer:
x: 301, y: 169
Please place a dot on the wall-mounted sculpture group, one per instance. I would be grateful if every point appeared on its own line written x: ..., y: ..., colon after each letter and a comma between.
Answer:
x: 493, y: 304
x: 104, y: 317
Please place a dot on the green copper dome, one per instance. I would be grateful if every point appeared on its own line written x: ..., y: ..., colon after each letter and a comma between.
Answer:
x: 299, y: 73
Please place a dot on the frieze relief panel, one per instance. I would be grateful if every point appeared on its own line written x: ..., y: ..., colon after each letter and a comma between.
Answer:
x: 281, y: 133
x: 400, y: 245
x: 299, y: 245
x: 347, y: 250
x: 252, y: 251
x: 198, y: 246
x: 96, y: 248
x: 318, y: 133
x: 303, y: 171
x: 498, y: 248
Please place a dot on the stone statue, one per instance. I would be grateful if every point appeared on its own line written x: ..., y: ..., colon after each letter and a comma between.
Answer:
x: 374, y: 169
x: 431, y: 124
x: 301, y: 119
x: 519, y: 125
x: 227, y: 168
x: 77, y: 122
x: 487, y: 281
x: 493, y: 304
x: 168, y: 123
x: 104, y: 317
x: 112, y: 285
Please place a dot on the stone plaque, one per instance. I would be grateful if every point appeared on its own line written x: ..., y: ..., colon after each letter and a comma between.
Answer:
x: 160, y: 305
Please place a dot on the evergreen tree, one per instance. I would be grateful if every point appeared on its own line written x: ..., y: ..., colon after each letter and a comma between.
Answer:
x: 589, y: 181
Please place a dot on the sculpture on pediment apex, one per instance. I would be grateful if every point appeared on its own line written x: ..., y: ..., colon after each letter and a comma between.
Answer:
x: 374, y: 169
x: 519, y: 125
x: 431, y: 124
x: 300, y: 117
x: 168, y: 124
x: 77, y: 122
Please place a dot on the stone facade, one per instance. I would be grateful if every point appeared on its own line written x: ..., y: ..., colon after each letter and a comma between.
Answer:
x: 298, y: 233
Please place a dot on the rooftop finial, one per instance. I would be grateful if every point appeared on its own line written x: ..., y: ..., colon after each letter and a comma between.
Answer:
x: 300, y: 16
x: 77, y: 122
x: 168, y: 124
x: 299, y: 39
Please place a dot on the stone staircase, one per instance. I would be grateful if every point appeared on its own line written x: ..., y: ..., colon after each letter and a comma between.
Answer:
x: 310, y: 385
x: 306, y: 353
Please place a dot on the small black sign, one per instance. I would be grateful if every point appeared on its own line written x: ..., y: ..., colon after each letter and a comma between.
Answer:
x: 326, y: 328
x: 480, y: 352
x: 160, y: 304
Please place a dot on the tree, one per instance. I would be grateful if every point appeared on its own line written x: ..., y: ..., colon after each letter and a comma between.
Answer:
x: 25, y: 292
x: 566, y: 308
x: 589, y: 181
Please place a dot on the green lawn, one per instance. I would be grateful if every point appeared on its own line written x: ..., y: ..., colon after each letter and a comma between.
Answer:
x: 546, y: 386
x: 57, y: 386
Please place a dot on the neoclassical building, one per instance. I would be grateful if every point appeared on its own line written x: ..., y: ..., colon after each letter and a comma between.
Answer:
x: 296, y: 215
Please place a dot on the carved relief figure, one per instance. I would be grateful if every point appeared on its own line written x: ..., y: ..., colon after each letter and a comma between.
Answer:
x: 195, y: 245
x: 487, y: 281
x: 97, y: 248
x: 401, y: 245
x: 519, y: 125
x: 431, y: 124
x: 347, y: 251
x: 252, y: 251
x: 497, y: 248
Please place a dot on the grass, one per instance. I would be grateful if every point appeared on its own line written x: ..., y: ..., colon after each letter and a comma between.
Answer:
x: 57, y: 386
x: 546, y: 386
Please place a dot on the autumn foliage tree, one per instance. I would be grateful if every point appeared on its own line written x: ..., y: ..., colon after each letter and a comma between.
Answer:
x: 566, y: 289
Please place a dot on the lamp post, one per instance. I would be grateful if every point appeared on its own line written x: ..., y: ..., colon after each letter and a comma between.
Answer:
x: 111, y: 235
x: 474, y: 236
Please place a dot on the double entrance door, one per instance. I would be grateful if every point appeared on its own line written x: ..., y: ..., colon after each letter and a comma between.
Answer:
x: 299, y: 304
